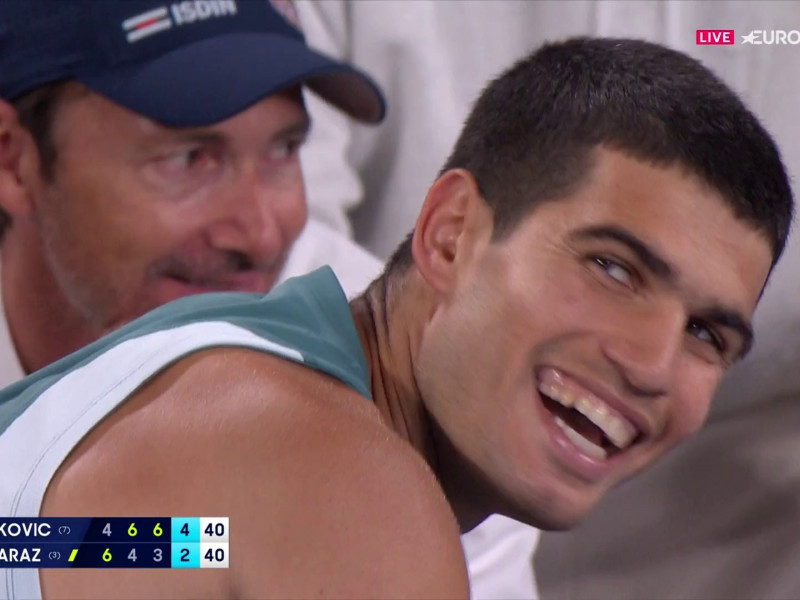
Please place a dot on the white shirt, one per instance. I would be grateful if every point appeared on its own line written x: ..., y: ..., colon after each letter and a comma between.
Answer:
x: 320, y: 245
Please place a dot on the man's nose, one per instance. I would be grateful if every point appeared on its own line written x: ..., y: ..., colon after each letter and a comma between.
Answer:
x: 645, y: 347
x: 259, y: 216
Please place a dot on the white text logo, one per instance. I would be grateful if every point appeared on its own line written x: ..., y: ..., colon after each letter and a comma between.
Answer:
x: 772, y: 37
x: 183, y: 13
x: 200, y: 10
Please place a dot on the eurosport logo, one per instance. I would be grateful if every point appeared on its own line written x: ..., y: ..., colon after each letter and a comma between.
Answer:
x: 772, y: 37
x: 757, y: 37
x: 180, y: 13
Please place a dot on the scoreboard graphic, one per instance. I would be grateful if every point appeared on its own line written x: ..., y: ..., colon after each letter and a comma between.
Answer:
x: 115, y: 543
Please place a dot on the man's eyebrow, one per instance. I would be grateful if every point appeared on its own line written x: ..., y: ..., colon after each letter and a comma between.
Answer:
x: 650, y: 257
x: 300, y: 126
x: 733, y: 320
x: 200, y: 136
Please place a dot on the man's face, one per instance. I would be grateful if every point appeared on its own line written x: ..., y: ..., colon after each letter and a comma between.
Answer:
x: 138, y: 214
x: 581, y: 348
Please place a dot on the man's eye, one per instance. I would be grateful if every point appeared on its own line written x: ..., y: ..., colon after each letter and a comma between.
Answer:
x: 616, y: 271
x: 287, y: 148
x: 705, y: 334
x: 185, y: 159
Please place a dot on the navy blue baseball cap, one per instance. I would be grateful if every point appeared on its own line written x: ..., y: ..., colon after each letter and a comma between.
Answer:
x: 185, y: 63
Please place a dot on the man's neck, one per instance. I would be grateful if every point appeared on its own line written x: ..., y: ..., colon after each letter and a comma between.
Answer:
x: 390, y: 346
x: 43, y: 325
x: 391, y: 331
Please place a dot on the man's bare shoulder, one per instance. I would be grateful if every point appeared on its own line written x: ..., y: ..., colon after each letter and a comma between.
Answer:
x: 323, y: 498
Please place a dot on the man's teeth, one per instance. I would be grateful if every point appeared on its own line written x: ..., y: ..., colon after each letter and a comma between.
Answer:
x: 618, y: 430
x: 586, y: 446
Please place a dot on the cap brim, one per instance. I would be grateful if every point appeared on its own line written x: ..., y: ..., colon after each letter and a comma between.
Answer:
x: 213, y: 79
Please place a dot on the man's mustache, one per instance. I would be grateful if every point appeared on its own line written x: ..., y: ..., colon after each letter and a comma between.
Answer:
x: 213, y: 267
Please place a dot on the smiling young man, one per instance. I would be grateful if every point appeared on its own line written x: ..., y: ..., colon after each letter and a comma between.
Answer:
x: 580, y: 277
x: 611, y: 333
x: 146, y: 156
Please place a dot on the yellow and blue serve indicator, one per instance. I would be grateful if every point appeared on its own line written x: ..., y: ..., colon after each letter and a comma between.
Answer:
x: 115, y: 543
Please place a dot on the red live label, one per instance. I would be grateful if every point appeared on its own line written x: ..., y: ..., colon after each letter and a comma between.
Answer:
x: 715, y: 36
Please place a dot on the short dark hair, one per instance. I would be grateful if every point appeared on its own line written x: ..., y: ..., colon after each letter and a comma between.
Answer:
x: 532, y: 133
x: 35, y: 112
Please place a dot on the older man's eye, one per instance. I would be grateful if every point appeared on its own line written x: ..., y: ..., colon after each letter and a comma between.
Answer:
x: 288, y: 147
x: 187, y: 165
x: 185, y: 159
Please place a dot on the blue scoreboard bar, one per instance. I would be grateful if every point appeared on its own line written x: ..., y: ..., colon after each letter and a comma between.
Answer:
x: 115, y: 543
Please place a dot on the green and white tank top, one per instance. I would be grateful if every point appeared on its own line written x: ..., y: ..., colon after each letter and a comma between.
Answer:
x: 44, y: 416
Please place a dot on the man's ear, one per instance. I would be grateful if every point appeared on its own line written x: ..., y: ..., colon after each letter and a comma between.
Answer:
x: 19, y: 161
x: 453, y: 219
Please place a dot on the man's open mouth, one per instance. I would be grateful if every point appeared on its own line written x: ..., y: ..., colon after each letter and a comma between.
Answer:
x: 594, y: 427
